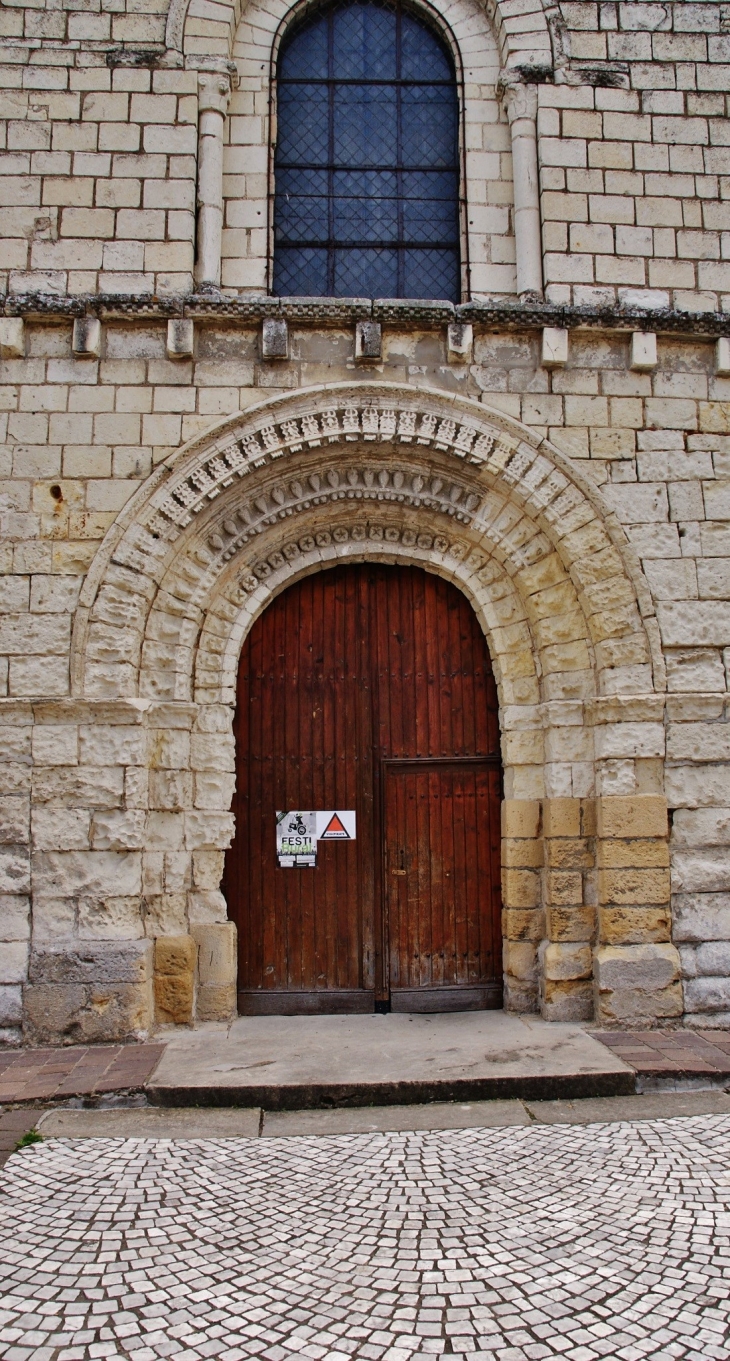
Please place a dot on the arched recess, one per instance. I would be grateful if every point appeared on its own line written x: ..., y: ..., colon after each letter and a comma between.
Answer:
x: 485, y: 42
x: 398, y: 474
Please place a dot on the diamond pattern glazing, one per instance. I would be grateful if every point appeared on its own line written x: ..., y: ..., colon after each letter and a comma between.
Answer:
x: 367, y: 161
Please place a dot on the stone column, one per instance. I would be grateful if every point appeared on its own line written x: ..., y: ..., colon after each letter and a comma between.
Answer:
x: 521, y: 102
x: 214, y: 89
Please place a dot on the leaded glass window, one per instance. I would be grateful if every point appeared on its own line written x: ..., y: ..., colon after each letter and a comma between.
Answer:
x: 367, y: 158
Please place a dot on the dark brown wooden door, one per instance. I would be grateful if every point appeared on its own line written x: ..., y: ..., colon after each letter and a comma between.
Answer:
x: 348, y: 673
x: 442, y: 871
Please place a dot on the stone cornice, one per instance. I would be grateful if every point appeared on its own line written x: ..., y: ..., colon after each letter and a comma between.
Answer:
x: 398, y: 313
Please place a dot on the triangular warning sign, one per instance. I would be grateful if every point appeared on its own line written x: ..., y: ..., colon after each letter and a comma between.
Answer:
x: 334, y: 831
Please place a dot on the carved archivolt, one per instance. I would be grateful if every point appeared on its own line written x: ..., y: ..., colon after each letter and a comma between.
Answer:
x: 243, y: 451
x: 376, y: 470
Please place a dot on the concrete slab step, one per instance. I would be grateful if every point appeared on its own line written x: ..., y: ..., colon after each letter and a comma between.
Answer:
x: 298, y: 1063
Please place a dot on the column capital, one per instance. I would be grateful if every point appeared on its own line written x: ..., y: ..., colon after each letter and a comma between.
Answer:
x: 214, y: 92
x: 520, y: 97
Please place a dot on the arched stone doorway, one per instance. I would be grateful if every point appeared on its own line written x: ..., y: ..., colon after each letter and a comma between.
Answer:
x: 368, y: 688
x: 411, y: 476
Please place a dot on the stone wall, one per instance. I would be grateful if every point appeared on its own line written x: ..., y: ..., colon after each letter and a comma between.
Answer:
x: 609, y: 386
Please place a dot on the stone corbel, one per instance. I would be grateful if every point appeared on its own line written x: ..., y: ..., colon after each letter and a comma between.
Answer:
x: 521, y: 103
x: 214, y: 92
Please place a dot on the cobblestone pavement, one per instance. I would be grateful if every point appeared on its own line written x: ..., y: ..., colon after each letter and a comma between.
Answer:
x: 523, y: 1242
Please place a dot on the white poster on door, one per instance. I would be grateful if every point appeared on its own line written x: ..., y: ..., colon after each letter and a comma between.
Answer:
x: 296, y: 839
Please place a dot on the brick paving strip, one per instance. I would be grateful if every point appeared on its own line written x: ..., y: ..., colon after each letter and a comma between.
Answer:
x: 28, y: 1075
x: 666, y: 1054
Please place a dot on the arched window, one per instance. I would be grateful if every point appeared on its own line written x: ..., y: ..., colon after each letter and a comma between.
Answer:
x: 367, y: 158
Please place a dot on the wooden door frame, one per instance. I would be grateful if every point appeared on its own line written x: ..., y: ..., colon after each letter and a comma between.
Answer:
x: 456, y: 995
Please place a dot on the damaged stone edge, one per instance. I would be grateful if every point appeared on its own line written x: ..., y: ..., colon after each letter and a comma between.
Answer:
x: 414, y: 314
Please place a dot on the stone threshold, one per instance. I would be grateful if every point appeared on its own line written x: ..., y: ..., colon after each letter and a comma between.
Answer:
x: 401, y: 313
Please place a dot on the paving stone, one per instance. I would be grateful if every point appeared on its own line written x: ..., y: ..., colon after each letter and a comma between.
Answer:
x: 40, y: 1074
x: 512, y: 1243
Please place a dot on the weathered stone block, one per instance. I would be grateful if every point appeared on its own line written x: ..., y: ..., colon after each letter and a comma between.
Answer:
x: 180, y: 338
x: 74, y: 1013
x: 521, y: 888
x: 11, y: 1005
x: 562, y: 1000
x: 637, y: 984
x: 14, y: 871
x: 520, y: 960
x: 165, y: 914
x: 646, y: 853
x: 520, y: 997
x: 519, y: 924
x: 522, y: 853
x: 86, y: 340
x: 707, y: 994
x: 567, y: 960
x: 568, y: 853
x: 562, y: 817
x: 63, y: 873
x: 628, y: 886
x: 701, y: 916
x: 274, y: 338
x: 564, y: 887
x: 93, y: 962
x: 174, y: 980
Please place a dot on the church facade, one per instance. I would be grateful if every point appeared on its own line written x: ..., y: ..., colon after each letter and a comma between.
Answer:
x: 365, y: 404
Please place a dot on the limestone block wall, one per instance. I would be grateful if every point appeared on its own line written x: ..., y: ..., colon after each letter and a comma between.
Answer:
x: 114, y: 813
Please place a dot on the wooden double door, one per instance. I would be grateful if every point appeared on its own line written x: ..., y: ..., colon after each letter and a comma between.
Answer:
x: 369, y: 688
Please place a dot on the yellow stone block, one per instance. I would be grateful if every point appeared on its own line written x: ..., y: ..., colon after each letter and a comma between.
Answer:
x: 523, y: 923
x: 634, y: 925
x: 588, y: 817
x: 643, y: 853
x: 637, y: 815
x: 564, y: 886
x: 520, y: 888
x: 569, y: 853
x: 570, y: 923
x: 523, y: 747
x: 561, y: 817
x: 627, y: 886
x: 567, y: 999
x: 521, y: 817
x: 522, y: 853
x: 174, y: 979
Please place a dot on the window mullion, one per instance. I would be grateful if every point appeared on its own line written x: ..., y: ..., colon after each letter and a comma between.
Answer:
x: 331, y: 155
x: 400, y: 258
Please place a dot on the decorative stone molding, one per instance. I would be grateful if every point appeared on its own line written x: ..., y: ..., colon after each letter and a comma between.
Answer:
x: 343, y: 453
x: 174, y: 508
